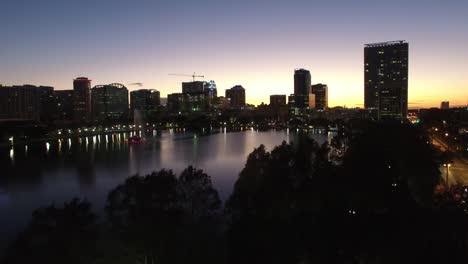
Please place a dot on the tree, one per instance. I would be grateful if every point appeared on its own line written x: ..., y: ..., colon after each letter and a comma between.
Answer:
x: 271, y: 205
x: 196, y: 194
x: 171, y: 219
x: 146, y: 213
x: 57, y: 235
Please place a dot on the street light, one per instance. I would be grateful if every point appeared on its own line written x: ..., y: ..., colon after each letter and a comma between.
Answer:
x: 447, y: 165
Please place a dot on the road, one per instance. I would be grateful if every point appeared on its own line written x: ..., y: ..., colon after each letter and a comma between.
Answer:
x: 458, y: 170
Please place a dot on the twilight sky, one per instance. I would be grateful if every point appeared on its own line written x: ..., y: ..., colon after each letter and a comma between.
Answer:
x: 257, y: 44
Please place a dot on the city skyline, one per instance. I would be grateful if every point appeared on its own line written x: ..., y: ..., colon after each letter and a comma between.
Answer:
x: 260, y: 51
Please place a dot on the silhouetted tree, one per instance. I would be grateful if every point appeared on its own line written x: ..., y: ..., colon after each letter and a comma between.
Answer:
x: 196, y: 194
x: 166, y: 217
x: 57, y: 235
x: 272, y: 203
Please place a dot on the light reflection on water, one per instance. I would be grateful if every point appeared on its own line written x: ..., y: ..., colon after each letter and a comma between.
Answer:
x: 53, y: 172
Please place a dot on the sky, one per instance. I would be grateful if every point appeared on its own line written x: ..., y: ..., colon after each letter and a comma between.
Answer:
x: 257, y: 44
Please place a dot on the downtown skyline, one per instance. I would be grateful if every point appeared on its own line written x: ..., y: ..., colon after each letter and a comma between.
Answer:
x: 256, y: 45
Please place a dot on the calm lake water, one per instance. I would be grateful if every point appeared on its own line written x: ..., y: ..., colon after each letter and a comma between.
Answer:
x: 53, y: 172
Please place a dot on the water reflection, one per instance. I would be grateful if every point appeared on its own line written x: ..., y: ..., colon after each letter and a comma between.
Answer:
x: 52, y: 172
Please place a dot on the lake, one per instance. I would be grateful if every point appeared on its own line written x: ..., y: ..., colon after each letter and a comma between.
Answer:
x: 53, y: 172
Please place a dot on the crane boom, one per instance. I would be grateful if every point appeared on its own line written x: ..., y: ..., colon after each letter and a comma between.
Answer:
x: 191, y: 75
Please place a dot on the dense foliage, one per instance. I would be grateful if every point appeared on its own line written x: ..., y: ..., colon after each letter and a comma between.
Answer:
x: 371, y: 196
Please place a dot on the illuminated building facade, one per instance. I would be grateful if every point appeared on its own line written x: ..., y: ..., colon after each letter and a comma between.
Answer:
x: 109, y: 102
x: 386, y: 79
x: 320, y: 92
x: 237, y: 96
x: 302, y: 82
x: 82, y: 99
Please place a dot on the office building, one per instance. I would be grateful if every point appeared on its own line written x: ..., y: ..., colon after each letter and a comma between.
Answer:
x: 194, y: 97
x: 320, y: 92
x: 64, y: 105
x: 199, y: 95
x: 109, y: 102
x: 302, y: 82
x: 221, y: 103
x: 27, y: 102
x: 175, y: 102
x: 237, y: 96
x: 277, y: 100
x: 82, y: 99
x: 386, y: 79
x: 445, y: 105
x: 211, y: 93
x: 144, y: 100
x: 312, y: 101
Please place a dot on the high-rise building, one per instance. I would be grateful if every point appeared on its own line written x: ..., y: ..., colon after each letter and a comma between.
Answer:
x: 445, y: 105
x: 193, y: 88
x: 144, y: 100
x: 277, y: 100
x: 82, y: 99
x: 194, y: 97
x: 64, y: 105
x: 237, y: 96
x: 26, y: 102
x: 386, y: 79
x: 302, y: 82
x: 211, y: 93
x: 109, y: 102
x: 210, y: 89
x: 199, y: 95
x: 312, y: 101
x: 320, y: 92
x: 175, y: 102
x: 221, y: 103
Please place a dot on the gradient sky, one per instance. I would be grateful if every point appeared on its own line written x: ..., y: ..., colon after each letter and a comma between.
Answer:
x: 257, y: 44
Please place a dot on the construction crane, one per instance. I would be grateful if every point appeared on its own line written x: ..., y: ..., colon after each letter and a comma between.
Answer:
x: 193, y: 75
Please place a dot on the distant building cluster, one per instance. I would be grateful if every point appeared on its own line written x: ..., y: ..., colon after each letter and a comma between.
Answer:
x: 80, y: 105
x: 385, y: 95
x: 202, y: 96
x: 307, y: 96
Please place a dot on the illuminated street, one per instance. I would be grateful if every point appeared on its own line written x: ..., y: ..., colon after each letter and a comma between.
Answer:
x: 457, y: 172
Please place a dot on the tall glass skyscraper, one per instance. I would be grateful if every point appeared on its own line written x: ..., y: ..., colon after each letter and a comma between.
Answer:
x: 82, y: 99
x: 110, y: 102
x: 302, y: 82
x: 386, y: 79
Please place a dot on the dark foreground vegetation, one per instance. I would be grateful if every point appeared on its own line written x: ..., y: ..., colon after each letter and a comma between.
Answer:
x: 372, y: 196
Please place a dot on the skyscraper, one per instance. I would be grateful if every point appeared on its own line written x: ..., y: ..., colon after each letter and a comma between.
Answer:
x: 175, y: 102
x: 302, y: 81
x: 321, y: 96
x: 81, y: 99
x: 144, y: 99
x: 64, y: 105
x: 26, y: 102
x: 277, y: 100
x: 110, y: 102
x: 386, y: 79
x: 237, y: 96
x: 445, y: 105
x: 194, y: 97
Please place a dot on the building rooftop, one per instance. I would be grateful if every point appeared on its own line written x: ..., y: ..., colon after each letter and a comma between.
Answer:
x: 384, y: 44
x: 238, y: 87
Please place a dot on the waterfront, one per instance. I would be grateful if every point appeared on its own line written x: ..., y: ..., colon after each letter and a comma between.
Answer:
x: 56, y: 171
